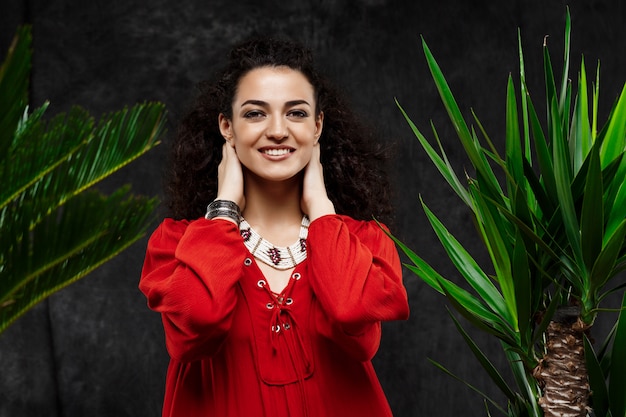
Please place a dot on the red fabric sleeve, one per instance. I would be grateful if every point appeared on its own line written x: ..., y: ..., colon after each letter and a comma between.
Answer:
x: 357, y: 278
x: 189, y: 276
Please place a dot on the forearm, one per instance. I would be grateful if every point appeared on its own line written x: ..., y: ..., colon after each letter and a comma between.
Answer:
x: 357, y: 279
x: 191, y: 280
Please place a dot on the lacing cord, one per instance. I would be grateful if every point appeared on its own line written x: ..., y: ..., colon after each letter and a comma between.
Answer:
x: 284, y: 323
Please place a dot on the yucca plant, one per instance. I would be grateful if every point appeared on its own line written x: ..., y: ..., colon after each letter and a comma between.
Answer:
x: 54, y: 226
x: 553, y: 221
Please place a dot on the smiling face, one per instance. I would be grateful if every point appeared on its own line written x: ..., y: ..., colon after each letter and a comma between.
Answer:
x: 274, y: 125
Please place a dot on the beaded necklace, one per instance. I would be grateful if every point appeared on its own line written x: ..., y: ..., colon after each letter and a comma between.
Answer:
x: 278, y: 257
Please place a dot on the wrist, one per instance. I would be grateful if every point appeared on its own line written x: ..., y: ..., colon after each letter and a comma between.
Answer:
x: 228, y: 197
x: 321, y: 208
x: 223, y: 209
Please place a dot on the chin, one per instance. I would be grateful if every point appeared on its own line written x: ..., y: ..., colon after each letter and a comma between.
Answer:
x: 278, y: 177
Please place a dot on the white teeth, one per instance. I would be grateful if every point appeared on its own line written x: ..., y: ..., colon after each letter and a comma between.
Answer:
x: 276, y: 152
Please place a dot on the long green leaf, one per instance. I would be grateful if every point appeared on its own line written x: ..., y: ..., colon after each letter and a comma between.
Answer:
x: 441, y: 163
x: 485, y: 362
x: 614, y: 140
x: 493, y: 234
x: 494, y: 154
x: 580, y: 133
x: 470, y: 386
x: 468, y: 267
x: 616, y: 289
x: 522, y: 286
x: 546, y: 317
x: 563, y: 183
x: 596, y: 99
x: 527, y: 384
x: 592, y: 215
x: 617, y: 382
x: 538, y: 200
x: 551, y: 93
x: 563, y: 106
x: 524, y: 99
x: 604, y: 267
x: 460, y: 126
x: 617, y: 213
x: 528, y: 232
x: 497, y: 327
x: 514, y: 155
x: 616, y: 198
x: 597, y: 380
x: 480, y: 315
x: 544, y: 156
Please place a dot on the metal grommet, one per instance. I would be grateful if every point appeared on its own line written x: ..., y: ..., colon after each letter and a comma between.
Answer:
x: 269, y: 306
x: 289, y: 301
x: 261, y: 283
x: 286, y: 326
x: 276, y: 329
x: 247, y: 262
x: 296, y: 276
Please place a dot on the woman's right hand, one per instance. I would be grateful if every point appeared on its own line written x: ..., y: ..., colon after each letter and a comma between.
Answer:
x: 230, y: 177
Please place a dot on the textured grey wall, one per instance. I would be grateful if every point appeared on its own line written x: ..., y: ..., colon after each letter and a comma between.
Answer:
x: 94, y: 349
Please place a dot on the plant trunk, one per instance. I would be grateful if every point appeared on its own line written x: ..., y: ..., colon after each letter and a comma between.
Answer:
x: 562, y: 373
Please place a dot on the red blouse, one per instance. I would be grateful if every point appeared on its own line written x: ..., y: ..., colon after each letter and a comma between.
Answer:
x: 237, y: 349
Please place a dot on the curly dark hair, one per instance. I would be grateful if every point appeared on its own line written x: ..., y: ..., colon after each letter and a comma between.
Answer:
x: 353, y: 163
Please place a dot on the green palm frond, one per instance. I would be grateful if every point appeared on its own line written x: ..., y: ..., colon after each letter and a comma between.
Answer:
x: 83, y: 153
x: 66, y: 245
x: 14, y: 80
x: 54, y: 227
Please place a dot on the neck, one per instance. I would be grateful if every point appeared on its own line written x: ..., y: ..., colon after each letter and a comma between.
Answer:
x: 272, y: 204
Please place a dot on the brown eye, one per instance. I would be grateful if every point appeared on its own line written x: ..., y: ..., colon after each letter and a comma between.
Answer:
x: 253, y: 114
x: 298, y: 113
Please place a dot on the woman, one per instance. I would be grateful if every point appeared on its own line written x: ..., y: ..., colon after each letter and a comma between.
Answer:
x: 272, y: 299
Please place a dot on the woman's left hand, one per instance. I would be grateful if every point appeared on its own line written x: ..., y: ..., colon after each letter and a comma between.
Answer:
x: 315, y: 202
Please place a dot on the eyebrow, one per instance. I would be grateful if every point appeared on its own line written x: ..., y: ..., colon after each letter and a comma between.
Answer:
x: 262, y: 103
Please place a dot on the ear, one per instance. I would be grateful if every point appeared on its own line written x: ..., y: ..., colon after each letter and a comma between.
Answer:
x: 319, y: 124
x: 226, y: 127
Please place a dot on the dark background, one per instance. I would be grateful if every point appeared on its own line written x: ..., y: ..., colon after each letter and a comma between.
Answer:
x: 94, y: 349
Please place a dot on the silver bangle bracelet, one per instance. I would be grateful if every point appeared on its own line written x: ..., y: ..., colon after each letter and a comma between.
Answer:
x: 223, y: 208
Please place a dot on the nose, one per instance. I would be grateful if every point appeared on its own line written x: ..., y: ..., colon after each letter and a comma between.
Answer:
x: 277, y: 128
